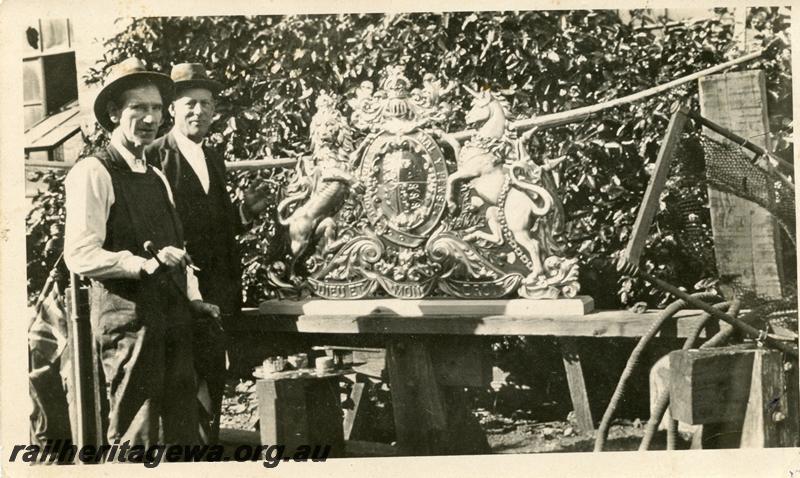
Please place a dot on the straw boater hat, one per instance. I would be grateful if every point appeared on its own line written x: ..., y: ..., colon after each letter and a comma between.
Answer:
x: 125, y: 75
x: 193, y: 75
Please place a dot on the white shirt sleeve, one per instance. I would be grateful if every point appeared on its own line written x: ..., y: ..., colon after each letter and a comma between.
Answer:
x: 192, y: 286
x: 89, y: 196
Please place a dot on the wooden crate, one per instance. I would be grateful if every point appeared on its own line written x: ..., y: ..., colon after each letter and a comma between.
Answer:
x: 752, y: 389
x: 301, y: 411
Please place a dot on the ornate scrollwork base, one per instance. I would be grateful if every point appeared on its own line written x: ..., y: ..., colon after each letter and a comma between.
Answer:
x: 559, y: 280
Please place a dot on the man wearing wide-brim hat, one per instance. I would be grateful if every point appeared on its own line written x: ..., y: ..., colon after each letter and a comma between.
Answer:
x: 211, y: 222
x: 141, y: 309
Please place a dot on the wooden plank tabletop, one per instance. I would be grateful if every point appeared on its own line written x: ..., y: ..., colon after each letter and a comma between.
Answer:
x: 603, y: 323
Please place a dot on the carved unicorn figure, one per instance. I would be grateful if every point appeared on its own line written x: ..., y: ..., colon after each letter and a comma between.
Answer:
x: 512, y: 191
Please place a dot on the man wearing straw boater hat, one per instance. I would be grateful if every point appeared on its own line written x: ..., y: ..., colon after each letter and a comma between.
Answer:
x: 122, y: 232
x: 211, y: 222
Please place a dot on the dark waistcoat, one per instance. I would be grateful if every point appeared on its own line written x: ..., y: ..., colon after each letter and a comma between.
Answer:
x: 209, y: 223
x: 141, y: 212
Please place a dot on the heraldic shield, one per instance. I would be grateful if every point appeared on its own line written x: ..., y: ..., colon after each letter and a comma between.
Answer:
x: 389, y: 203
x: 405, y: 179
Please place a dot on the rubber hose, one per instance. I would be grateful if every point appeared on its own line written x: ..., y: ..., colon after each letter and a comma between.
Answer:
x: 672, y: 429
x: 652, y: 424
x: 663, y: 401
x: 725, y: 332
x: 633, y: 360
x: 733, y: 310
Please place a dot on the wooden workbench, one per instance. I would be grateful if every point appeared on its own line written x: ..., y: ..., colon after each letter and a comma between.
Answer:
x: 409, y: 349
x: 603, y: 323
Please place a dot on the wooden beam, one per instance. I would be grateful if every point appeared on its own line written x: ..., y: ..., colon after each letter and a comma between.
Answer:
x: 743, y: 142
x: 787, y: 346
x: 352, y: 415
x: 373, y: 364
x: 652, y: 195
x: 579, y: 305
x: 579, y: 114
x: 747, y: 242
x: 462, y: 361
x: 793, y: 398
x: 254, y: 164
x: 768, y: 420
x: 47, y: 165
x: 430, y: 418
x: 577, y: 386
x: 420, y: 412
x: 608, y: 323
x: 83, y: 375
x: 244, y: 165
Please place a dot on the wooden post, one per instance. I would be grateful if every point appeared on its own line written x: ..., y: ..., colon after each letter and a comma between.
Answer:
x: 652, y: 195
x: 419, y: 410
x: 746, y: 238
x: 84, y: 388
x: 577, y: 386
x: 768, y: 421
x: 793, y: 397
x: 352, y: 416
x: 430, y: 417
x: 463, y: 361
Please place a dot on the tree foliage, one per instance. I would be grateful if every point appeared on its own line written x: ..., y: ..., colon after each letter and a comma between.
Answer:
x: 273, y: 68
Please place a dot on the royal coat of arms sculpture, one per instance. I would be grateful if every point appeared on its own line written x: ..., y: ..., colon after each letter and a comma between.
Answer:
x: 408, y: 211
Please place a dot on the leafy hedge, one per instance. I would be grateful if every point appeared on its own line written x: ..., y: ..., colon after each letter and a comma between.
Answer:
x: 544, y: 61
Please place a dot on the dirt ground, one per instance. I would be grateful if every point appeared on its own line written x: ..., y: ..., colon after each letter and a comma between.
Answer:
x: 516, y: 432
x: 507, y: 435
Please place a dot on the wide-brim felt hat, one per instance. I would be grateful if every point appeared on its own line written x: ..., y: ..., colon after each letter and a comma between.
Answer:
x: 125, y: 75
x: 193, y: 75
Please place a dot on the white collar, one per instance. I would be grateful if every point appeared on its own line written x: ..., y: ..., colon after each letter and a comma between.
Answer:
x: 134, y: 162
x: 184, y: 143
x: 194, y: 155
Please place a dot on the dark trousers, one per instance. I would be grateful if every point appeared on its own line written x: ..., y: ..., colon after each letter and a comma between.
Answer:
x: 145, y: 348
x: 210, y: 344
x: 219, y: 286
